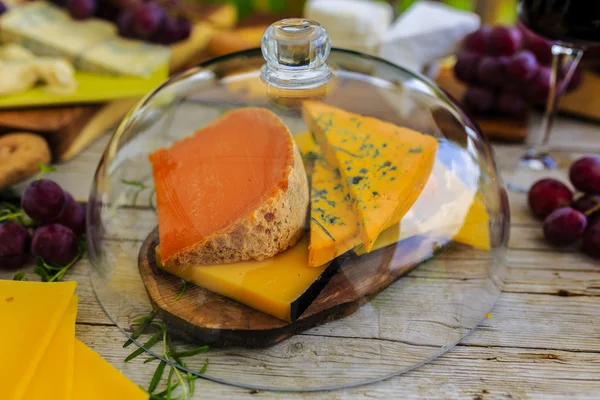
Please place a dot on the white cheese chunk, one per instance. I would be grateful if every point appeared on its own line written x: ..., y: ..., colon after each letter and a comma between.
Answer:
x: 427, y: 31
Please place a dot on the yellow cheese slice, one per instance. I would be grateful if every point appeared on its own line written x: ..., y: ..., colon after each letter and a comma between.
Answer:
x: 383, y: 166
x: 278, y: 286
x: 309, y: 151
x: 333, y: 223
x: 31, y: 312
x: 53, y: 378
x: 446, y: 208
x: 96, y: 379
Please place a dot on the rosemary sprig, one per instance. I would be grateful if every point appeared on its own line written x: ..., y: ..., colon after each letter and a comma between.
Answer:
x: 144, y: 323
x: 20, y: 276
x: 176, y: 378
x: 139, y: 188
x: 181, y: 292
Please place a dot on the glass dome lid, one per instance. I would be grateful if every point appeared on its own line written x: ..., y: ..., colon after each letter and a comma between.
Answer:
x: 317, y: 217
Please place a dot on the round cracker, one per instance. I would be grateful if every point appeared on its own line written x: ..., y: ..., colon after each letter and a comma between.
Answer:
x: 20, y: 156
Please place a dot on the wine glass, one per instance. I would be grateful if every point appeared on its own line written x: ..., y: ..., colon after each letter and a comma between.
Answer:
x: 571, y: 24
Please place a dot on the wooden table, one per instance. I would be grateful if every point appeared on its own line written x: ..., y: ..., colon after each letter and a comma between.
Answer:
x: 542, y: 340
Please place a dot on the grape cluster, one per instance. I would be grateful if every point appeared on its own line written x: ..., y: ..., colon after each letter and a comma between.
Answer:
x: 567, y: 221
x: 506, y: 68
x: 157, y: 22
x: 59, y: 223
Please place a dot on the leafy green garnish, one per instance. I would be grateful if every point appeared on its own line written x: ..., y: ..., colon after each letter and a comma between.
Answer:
x: 10, y: 212
x: 177, y: 379
x: 145, y: 322
x: 181, y: 292
x: 20, y: 276
x: 44, y: 169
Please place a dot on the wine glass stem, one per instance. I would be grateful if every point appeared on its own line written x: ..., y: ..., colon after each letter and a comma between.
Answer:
x: 562, y: 57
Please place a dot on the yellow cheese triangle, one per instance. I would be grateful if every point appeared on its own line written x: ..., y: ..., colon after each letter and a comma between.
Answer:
x: 383, y: 166
x: 53, y: 378
x: 333, y: 223
x: 31, y: 312
x: 96, y: 379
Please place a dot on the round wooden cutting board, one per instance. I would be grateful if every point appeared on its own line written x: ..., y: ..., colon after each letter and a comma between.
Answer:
x: 209, y: 318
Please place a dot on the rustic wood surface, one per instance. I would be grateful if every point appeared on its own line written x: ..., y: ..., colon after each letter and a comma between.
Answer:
x: 542, y: 339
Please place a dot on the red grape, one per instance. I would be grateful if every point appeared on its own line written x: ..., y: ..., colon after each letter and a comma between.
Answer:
x: 491, y: 71
x: 510, y: 102
x: 539, y: 87
x: 55, y: 244
x: 478, y: 41
x: 591, y: 239
x: 73, y: 216
x: 585, y: 174
x: 547, y: 195
x: 43, y: 200
x: 564, y: 226
x: 168, y: 32
x: 466, y: 66
x: 14, y: 245
x: 2, y: 8
x: 81, y: 9
x: 107, y: 11
x: 125, y: 4
x: 479, y: 99
x: 505, y: 40
x: 147, y: 19
x: 540, y: 47
x: 125, y: 24
x: 588, y: 204
x: 522, y: 66
x: 185, y: 28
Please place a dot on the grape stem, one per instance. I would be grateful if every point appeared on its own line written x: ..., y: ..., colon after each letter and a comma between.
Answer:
x: 593, y: 209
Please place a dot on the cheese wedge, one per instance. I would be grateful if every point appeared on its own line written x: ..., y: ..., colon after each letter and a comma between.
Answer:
x: 236, y: 190
x: 333, y: 223
x: 283, y: 286
x: 53, y: 379
x: 34, y: 310
x: 309, y: 151
x: 95, y: 379
x: 383, y: 166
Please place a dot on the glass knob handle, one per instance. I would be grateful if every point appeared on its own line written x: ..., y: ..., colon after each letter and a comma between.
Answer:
x: 296, y: 52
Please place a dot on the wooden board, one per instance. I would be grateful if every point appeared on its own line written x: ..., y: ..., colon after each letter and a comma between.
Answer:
x: 206, y: 317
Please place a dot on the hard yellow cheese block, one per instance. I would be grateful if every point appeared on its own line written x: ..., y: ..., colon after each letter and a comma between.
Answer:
x: 279, y: 286
x: 96, y: 379
x: 384, y: 167
x: 53, y: 378
x: 31, y: 312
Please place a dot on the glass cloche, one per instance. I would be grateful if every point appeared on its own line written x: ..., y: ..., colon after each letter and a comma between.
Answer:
x: 317, y: 217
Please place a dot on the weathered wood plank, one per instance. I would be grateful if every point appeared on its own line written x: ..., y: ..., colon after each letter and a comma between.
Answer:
x: 466, y: 372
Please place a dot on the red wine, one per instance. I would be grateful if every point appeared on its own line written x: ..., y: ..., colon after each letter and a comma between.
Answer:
x: 570, y: 21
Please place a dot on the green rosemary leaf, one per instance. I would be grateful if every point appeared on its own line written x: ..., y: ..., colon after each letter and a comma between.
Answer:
x: 143, y: 318
x: 204, y: 367
x: 44, y: 169
x: 140, y: 329
x: 14, y: 216
x: 170, y: 384
x: 193, y: 352
x: 192, y: 384
x: 151, y: 342
x: 150, y: 359
x: 138, y: 184
x: 181, y: 292
x: 172, y: 353
x: 41, y: 271
x: 157, y: 375
x: 20, y: 276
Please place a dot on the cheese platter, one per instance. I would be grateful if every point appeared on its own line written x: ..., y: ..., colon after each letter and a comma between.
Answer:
x: 244, y: 220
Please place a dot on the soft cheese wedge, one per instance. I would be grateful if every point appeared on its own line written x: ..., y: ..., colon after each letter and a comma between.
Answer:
x: 55, y: 369
x: 236, y: 190
x: 283, y: 286
x: 31, y: 324
x: 384, y: 167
